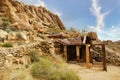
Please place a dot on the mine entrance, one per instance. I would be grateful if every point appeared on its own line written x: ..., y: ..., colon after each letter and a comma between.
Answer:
x: 71, y: 53
x: 82, y: 53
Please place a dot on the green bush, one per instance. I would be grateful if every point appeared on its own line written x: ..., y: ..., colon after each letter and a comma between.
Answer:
x: 5, y: 19
x: 13, y: 28
x: 46, y: 69
x: 34, y: 56
x: 54, y: 29
x: 20, y: 76
x: 5, y: 24
x: 8, y: 30
x: 41, y: 69
x: 69, y: 75
x: 7, y: 44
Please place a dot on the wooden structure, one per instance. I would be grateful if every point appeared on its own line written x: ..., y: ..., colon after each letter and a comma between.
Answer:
x: 78, y: 49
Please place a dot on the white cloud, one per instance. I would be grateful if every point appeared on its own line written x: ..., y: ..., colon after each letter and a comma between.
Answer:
x: 114, y: 29
x: 41, y: 3
x: 35, y: 2
x: 58, y: 13
x: 38, y: 3
x: 112, y: 33
x: 96, y: 11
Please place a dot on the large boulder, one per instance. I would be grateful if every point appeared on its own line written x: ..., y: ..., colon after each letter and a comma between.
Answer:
x: 18, y: 36
x: 3, y: 35
x: 12, y: 36
x: 23, y: 36
x: 93, y: 35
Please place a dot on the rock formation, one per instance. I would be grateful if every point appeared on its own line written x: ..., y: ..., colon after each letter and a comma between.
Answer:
x: 93, y: 35
x: 28, y: 17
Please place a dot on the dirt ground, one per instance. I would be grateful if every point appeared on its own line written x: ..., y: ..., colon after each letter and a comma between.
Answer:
x: 113, y: 73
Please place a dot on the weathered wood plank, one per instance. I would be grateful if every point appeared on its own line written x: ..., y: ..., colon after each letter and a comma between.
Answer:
x: 77, y: 53
x: 104, y: 58
x: 87, y: 57
x: 65, y: 52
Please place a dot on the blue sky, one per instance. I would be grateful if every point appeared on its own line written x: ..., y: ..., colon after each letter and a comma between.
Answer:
x: 101, y: 16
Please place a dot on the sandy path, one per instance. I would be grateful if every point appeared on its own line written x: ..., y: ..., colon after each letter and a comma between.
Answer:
x: 113, y: 73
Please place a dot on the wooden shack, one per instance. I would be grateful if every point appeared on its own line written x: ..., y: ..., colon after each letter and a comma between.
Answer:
x: 78, y: 49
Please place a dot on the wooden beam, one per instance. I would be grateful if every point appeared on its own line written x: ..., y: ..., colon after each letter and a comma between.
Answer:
x: 77, y: 54
x: 87, y: 56
x: 104, y: 58
x: 65, y: 52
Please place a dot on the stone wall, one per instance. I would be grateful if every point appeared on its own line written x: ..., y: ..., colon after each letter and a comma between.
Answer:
x: 20, y: 54
x: 111, y: 56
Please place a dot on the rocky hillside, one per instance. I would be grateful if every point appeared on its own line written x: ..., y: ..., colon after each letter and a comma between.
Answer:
x: 113, y: 52
x: 28, y: 17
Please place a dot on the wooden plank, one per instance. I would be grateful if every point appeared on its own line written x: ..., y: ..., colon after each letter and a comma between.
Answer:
x: 87, y: 57
x: 65, y: 52
x: 77, y: 54
x: 104, y: 58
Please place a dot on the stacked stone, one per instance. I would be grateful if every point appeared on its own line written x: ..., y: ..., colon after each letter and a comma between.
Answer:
x: 111, y: 56
x: 12, y: 55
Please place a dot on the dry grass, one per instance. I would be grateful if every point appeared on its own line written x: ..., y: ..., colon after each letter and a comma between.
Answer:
x: 49, y: 70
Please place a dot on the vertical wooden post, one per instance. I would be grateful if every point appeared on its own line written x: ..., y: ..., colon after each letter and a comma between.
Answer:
x: 87, y: 56
x: 65, y: 52
x: 77, y: 53
x: 104, y: 58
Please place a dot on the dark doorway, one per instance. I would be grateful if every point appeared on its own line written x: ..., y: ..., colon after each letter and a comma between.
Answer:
x: 82, y: 53
x: 71, y: 53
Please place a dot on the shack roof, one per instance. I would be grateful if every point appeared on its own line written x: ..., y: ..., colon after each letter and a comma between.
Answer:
x: 73, y: 41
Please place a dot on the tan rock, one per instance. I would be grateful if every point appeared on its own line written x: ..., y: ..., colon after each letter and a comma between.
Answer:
x: 3, y: 34
x: 29, y: 17
x: 93, y: 35
x: 12, y: 36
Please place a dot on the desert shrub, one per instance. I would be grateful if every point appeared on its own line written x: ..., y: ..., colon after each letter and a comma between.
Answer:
x: 46, y: 69
x: 19, y: 36
x: 7, y: 44
x: 62, y: 73
x: 5, y: 23
x: 72, y: 29
x: 20, y: 76
x: 7, y: 30
x: 69, y: 75
x: 34, y: 55
x: 54, y: 29
x: 41, y: 69
x: 5, y: 19
x: 12, y: 28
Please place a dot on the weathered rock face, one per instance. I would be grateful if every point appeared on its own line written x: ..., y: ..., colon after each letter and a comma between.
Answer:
x: 93, y: 35
x: 3, y: 35
x: 29, y: 17
x: 112, y: 56
x: 20, y: 54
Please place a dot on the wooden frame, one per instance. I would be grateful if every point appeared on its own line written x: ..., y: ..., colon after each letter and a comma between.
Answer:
x: 87, y: 54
